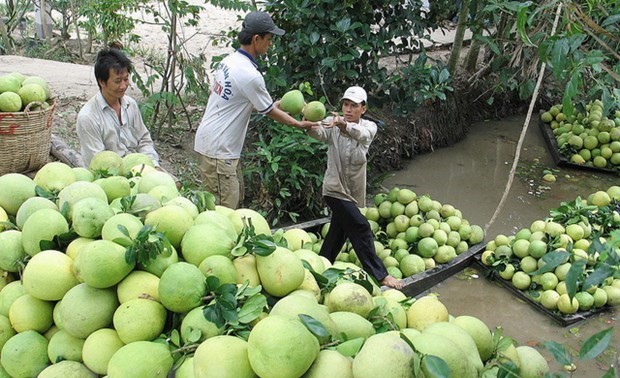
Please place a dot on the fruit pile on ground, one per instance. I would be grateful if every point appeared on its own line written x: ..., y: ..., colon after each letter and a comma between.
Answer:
x: 589, y: 137
x: 565, y: 262
x: 18, y: 90
x: 414, y: 233
x: 123, y: 277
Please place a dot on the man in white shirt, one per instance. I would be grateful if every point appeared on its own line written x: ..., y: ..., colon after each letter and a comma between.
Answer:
x: 238, y: 89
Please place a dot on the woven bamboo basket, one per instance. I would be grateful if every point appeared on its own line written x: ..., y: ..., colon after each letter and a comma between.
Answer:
x: 25, y: 138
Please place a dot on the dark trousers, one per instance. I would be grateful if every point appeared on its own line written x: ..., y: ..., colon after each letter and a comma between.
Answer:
x: 348, y: 222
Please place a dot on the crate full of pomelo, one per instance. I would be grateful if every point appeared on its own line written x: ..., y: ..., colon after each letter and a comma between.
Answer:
x: 123, y: 276
x: 590, y: 137
x: 564, y: 264
x: 26, y: 111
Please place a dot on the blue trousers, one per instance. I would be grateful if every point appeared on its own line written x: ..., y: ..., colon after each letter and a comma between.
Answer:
x: 348, y: 222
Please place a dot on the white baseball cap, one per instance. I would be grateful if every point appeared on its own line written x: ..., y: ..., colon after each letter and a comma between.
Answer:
x: 355, y: 94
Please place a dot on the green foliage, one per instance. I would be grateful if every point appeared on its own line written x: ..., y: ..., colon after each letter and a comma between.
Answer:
x: 285, y: 167
x: 113, y: 18
x: 146, y: 246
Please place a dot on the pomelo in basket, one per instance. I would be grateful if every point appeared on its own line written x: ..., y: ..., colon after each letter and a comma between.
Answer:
x: 181, y: 287
x: 173, y: 221
x: 45, y: 224
x: 139, y: 319
x: 384, y: 355
x: 10, y: 102
x: 25, y: 354
x: 99, y: 347
x: 48, y: 275
x: 138, y: 284
x: 9, y: 83
x: 135, y: 158
x: 349, y: 296
x: 280, y: 272
x: 63, y: 346
x: 141, y: 359
x: 85, y: 309
x: 293, y: 102
x: 223, y: 357
x: 195, y: 320
x: 32, y: 93
x: 36, y: 80
x: 29, y: 313
x: 314, y: 111
x: 280, y: 347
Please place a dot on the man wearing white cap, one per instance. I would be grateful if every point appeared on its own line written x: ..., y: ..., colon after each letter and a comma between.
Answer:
x: 344, y: 185
x: 238, y: 89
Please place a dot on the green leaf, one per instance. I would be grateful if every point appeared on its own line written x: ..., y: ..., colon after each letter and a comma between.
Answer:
x: 574, y: 275
x: 314, y: 326
x: 552, y: 260
x: 522, y: 18
x: 596, y: 344
x: 437, y: 367
x: 252, y: 308
x: 561, y: 355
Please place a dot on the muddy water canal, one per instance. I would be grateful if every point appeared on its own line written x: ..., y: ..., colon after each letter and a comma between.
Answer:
x: 472, y: 176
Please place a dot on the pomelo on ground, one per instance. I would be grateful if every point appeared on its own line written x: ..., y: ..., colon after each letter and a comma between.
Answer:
x: 15, y: 189
x: 153, y: 179
x: 63, y: 346
x: 54, y: 176
x: 106, y: 163
x: 444, y: 348
x: 77, y: 191
x: 533, y: 363
x: 280, y: 347
x: 460, y: 337
x: 223, y: 357
x: 218, y: 219
x: 67, y: 369
x: 349, y: 296
x: 83, y: 174
x: 426, y: 311
x: 159, y: 264
x: 164, y: 193
x: 479, y: 331
x: 139, y: 319
x: 114, y: 186
x: 195, y: 320
x: 14, y: 290
x: 181, y: 287
x: 219, y: 266
x: 25, y: 354
x: 49, y: 275
x: 330, y: 363
x: 294, y: 305
x: 138, y: 284
x: 89, y: 215
x: 30, y: 206
x: 203, y: 240
x: 256, y: 219
x: 132, y: 159
x: 233, y: 215
x: 101, y: 264
x: 99, y: 347
x: 6, y: 331
x: 281, y: 272
x: 186, y: 204
x: 312, y: 258
x: 29, y: 313
x: 246, y: 270
x: 141, y: 359
x: 296, y: 238
x: 13, y: 254
x: 173, y: 221
x: 384, y: 355
x: 352, y: 325
x: 44, y: 224
x: 85, y: 309
x: 391, y: 309
x: 131, y: 223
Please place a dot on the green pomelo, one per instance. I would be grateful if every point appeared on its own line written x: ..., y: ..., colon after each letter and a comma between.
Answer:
x: 293, y: 102
x: 101, y: 264
x: 45, y: 224
x: 138, y: 284
x: 143, y: 204
x: 613, y: 295
x: 281, y: 272
x: 203, y: 240
x: 106, y: 163
x: 219, y: 266
x: 30, y: 206
x: 427, y: 247
x: 15, y: 189
x: 29, y: 313
x: 280, y: 347
x: 352, y: 325
x: 9, y: 83
x: 477, y: 235
x: 444, y: 348
x: 233, y: 215
x: 63, y: 346
x: 409, y: 333
x: 25, y: 355
x: 153, y: 179
x: 77, y: 191
x: 426, y: 311
x: 330, y: 363
x: 533, y: 363
x: 296, y: 238
x: 164, y: 193
x: 460, y: 337
x: 391, y: 309
x: 186, y: 369
x: 6, y: 331
x: 352, y: 297
x: 83, y: 174
x: 314, y: 111
x: 181, y: 287
x: 223, y: 357
x: 54, y: 176
x: 141, y: 359
x: 246, y: 270
x: 89, y: 215
x: 10, y: 102
x: 195, y: 320
x: 173, y: 221
x: 67, y: 369
x: 12, y: 250
x: 159, y: 264
x: 99, y: 347
x: 49, y: 275
x: 135, y: 158
x: 73, y: 249
x: 14, y: 290
x: 384, y: 355
x: 32, y: 93
x: 312, y: 258
x: 479, y: 332
x: 217, y: 219
x: 36, y: 80
x: 292, y: 306
x: 445, y: 254
x: 256, y: 219
x: 139, y: 319
x: 114, y: 187
x: 186, y: 204
x: 110, y: 230
x: 85, y: 309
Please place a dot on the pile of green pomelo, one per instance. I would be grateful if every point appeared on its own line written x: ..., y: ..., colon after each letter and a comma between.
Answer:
x: 538, y: 259
x: 589, y: 137
x: 110, y: 271
x: 17, y: 91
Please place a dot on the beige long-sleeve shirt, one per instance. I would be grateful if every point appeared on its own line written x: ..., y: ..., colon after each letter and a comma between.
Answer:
x: 345, y: 176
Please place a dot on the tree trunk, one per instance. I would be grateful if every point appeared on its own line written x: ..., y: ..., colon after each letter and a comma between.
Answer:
x: 458, y: 37
x: 471, y: 60
x: 6, y: 41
